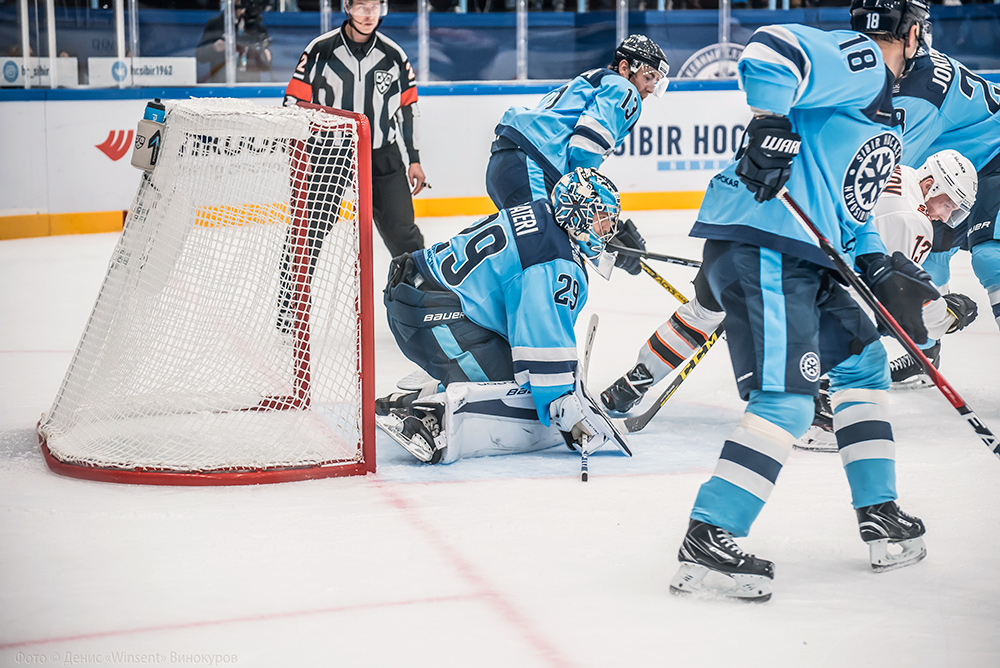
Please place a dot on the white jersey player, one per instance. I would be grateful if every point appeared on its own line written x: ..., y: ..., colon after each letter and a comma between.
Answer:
x: 944, y: 189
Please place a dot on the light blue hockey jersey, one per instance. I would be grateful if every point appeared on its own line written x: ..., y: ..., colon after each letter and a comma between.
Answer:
x: 516, y: 273
x: 577, y: 125
x: 837, y: 93
x: 944, y: 105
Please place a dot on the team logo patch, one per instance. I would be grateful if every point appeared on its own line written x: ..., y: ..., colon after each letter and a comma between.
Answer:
x: 809, y: 367
x: 868, y: 173
x: 383, y: 79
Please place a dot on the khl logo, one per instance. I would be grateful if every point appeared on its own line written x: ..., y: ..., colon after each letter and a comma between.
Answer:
x: 10, y: 71
x: 119, y: 71
x: 117, y: 143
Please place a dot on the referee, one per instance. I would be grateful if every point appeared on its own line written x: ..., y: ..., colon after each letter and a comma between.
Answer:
x: 356, y: 69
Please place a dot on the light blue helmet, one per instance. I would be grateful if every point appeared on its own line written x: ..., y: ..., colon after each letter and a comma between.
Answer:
x: 581, y: 198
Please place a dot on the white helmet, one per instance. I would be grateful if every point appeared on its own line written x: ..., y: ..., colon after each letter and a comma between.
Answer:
x: 953, y: 176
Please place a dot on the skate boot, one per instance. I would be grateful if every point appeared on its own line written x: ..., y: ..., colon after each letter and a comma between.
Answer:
x: 416, y: 430
x: 884, y: 526
x: 413, y: 387
x: 907, y: 374
x: 820, y: 437
x: 627, y: 391
x: 713, y: 564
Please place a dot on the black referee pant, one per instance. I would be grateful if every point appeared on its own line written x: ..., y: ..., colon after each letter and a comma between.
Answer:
x: 392, y: 204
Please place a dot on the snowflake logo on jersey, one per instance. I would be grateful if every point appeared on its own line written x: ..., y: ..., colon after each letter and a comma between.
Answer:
x: 868, y: 173
x: 383, y: 79
x: 809, y: 366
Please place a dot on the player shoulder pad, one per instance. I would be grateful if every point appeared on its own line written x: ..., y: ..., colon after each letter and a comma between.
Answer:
x: 598, y: 77
x: 392, y: 47
x: 930, y: 79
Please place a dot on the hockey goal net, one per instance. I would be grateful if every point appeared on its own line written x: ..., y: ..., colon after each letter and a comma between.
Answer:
x: 231, y: 341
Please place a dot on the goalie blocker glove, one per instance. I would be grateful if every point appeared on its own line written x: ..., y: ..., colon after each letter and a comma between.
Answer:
x: 629, y: 236
x: 769, y: 145
x: 902, y: 287
x: 962, y: 308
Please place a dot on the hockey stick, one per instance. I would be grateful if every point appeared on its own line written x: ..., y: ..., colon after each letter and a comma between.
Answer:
x: 886, y: 318
x: 588, y: 347
x: 664, y: 283
x: 650, y: 255
x: 634, y: 424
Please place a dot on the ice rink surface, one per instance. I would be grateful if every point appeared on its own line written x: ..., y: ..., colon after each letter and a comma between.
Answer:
x: 503, y: 561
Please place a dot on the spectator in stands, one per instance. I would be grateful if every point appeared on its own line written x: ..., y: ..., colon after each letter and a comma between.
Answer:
x: 253, y: 46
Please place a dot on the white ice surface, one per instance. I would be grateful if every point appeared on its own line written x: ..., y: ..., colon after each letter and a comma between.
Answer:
x: 505, y: 561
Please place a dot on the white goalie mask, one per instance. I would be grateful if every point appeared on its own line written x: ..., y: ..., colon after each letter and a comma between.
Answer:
x: 955, y: 177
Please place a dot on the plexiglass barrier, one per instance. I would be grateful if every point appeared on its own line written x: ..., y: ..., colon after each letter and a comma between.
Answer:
x: 120, y: 43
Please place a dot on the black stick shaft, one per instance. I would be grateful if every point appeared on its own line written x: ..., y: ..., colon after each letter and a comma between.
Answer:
x: 875, y: 305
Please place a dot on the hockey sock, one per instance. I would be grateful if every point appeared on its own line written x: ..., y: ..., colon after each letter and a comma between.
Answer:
x: 986, y: 265
x: 867, y: 449
x: 676, y: 339
x: 745, y: 474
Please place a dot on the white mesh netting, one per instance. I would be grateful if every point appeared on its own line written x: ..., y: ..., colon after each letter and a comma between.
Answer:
x: 226, y: 334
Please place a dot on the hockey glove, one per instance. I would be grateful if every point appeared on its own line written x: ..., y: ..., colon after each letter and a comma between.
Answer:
x: 902, y: 287
x: 568, y: 417
x: 769, y: 145
x: 629, y: 236
x: 962, y: 308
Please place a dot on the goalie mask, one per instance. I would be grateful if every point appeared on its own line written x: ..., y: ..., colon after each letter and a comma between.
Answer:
x: 641, y: 52
x: 955, y: 177
x: 586, y: 204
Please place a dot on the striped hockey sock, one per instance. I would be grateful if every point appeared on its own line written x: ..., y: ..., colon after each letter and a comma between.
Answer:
x: 867, y: 449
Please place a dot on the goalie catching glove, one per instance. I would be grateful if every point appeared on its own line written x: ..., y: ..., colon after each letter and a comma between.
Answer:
x: 769, y: 145
x: 902, y: 287
x: 629, y: 237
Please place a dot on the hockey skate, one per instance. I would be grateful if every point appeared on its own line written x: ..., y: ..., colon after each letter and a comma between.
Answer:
x: 415, y: 386
x: 820, y: 437
x: 627, y: 391
x: 713, y: 565
x: 415, y: 429
x: 894, y: 538
x: 907, y: 374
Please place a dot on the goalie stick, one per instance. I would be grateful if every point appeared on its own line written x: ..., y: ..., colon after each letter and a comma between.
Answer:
x: 886, y: 318
x: 650, y: 255
x: 588, y: 347
x: 664, y: 283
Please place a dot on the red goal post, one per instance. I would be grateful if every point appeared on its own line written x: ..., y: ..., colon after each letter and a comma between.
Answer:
x: 232, y: 340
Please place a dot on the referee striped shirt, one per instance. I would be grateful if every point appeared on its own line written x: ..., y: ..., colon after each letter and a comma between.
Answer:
x: 374, y: 78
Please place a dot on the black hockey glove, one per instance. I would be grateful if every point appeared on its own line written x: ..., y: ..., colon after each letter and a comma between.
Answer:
x: 902, y: 287
x: 629, y: 236
x: 766, y: 155
x: 962, y: 308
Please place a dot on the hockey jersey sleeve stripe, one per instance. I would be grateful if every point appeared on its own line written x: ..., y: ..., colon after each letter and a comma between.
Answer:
x: 300, y: 90
x: 543, y: 354
x: 590, y: 127
x: 777, y: 45
x: 577, y: 141
x: 408, y: 97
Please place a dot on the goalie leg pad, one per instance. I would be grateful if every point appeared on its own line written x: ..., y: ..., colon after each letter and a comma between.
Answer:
x: 497, y: 418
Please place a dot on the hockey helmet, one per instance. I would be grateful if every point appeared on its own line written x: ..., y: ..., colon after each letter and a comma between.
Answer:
x: 889, y: 17
x: 955, y: 177
x: 585, y: 199
x: 638, y: 51
x: 367, y: 6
